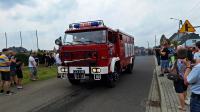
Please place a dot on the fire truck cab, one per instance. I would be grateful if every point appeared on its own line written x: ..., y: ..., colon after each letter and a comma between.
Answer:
x: 91, y: 50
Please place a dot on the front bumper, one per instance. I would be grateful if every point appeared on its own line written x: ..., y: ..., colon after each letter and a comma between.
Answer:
x: 72, y: 72
x: 87, y: 70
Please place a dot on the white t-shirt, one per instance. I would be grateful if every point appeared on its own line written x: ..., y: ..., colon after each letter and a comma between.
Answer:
x: 196, y: 55
x: 57, y: 58
x: 30, y: 61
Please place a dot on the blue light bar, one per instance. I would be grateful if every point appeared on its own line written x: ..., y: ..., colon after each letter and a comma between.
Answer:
x: 86, y: 24
x: 76, y: 25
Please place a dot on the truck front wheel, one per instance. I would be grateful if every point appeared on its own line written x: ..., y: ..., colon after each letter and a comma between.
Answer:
x: 113, y: 77
x: 129, y: 68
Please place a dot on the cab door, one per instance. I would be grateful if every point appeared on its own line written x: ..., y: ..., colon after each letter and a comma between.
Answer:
x: 112, y: 43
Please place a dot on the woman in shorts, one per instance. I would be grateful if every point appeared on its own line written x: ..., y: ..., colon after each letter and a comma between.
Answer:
x: 179, y: 85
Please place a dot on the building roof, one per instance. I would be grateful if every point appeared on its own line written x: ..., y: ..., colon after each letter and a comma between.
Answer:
x: 183, y: 37
x: 176, y: 37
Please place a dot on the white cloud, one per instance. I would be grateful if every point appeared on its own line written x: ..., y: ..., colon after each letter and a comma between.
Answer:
x: 140, y: 18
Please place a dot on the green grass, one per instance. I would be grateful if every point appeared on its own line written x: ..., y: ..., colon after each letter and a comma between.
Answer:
x: 44, y: 73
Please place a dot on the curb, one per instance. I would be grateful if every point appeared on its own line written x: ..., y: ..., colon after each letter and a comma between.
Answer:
x: 160, y: 89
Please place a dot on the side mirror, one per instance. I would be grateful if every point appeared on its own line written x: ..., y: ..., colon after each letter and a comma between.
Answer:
x: 58, y: 41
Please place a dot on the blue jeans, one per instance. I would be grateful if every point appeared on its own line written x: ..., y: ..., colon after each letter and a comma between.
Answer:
x: 195, y: 104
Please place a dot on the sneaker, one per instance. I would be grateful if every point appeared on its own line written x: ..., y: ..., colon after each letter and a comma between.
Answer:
x: 9, y: 93
x: 33, y: 79
x: 161, y: 75
x: 19, y: 87
x: 64, y: 78
x: 180, y: 108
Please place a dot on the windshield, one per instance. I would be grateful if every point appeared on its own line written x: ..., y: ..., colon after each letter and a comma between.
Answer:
x: 85, y: 37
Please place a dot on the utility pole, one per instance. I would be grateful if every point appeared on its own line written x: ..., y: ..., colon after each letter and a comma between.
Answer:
x: 37, y: 40
x: 148, y: 48
x: 148, y: 44
x: 20, y: 35
x: 155, y: 40
x: 6, y: 40
x: 179, y: 25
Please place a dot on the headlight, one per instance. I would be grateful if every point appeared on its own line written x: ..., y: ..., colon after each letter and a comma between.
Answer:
x: 66, y: 69
x: 96, y: 70
x: 63, y: 69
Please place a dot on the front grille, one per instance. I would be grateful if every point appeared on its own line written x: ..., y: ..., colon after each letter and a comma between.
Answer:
x: 86, y: 57
x: 78, y: 55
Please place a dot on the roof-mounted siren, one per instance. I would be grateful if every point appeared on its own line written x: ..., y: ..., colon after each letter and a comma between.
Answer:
x: 80, y: 25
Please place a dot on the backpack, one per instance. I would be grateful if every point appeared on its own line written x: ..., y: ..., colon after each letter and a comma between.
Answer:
x: 174, y: 74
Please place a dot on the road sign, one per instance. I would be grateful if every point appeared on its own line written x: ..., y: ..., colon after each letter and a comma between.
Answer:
x: 187, y: 27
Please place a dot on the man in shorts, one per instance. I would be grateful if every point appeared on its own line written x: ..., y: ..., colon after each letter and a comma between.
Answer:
x: 32, y: 66
x: 164, y: 59
x: 5, y: 72
x: 58, y: 63
x: 13, y: 68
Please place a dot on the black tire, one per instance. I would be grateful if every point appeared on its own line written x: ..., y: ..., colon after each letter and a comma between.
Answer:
x: 110, y: 81
x: 74, y: 82
x: 112, y: 78
x: 130, y: 68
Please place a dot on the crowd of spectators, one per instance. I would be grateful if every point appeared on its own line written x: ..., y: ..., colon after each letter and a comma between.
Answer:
x: 11, y: 68
x: 184, y: 63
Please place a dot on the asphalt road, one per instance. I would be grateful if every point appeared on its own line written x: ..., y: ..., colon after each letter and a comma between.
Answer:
x: 129, y: 95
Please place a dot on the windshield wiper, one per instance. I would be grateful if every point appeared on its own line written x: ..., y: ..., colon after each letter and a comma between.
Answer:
x: 79, y: 41
x: 91, y: 41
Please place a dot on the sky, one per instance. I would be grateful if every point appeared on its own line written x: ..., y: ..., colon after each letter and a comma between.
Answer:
x: 144, y: 19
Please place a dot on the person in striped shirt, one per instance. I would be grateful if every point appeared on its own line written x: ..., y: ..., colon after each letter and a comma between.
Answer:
x: 5, y: 72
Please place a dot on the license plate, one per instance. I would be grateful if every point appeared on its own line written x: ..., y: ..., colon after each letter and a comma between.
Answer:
x: 97, y: 77
x: 79, y: 71
x: 79, y: 74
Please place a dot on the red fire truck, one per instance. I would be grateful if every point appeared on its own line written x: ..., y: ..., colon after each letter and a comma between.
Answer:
x: 91, y: 50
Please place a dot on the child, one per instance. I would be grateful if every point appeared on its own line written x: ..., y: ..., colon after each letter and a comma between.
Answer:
x: 19, y: 73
